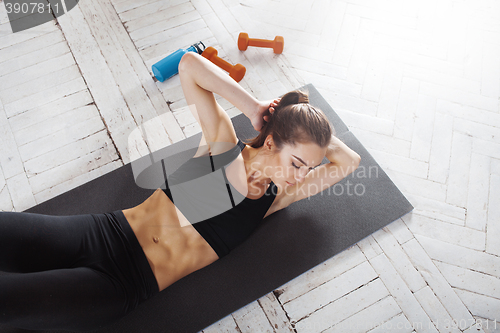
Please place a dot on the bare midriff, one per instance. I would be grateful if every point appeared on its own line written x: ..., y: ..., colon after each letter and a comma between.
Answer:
x: 174, y: 248
x: 171, y: 244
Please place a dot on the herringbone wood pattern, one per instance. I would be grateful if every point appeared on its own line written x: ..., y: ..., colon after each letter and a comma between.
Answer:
x: 418, y: 82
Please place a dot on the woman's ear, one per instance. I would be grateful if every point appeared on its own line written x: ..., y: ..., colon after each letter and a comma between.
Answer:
x: 269, y: 142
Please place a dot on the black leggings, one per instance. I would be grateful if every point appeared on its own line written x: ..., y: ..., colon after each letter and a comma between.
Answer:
x: 77, y: 272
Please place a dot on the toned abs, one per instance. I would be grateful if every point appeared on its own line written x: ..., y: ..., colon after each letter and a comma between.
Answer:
x: 172, y: 245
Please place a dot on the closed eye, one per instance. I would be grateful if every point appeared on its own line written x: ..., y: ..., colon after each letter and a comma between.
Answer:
x: 310, y: 168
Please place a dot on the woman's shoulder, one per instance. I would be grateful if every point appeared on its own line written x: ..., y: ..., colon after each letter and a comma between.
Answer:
x: 281, y: 200
x: 223, y: 143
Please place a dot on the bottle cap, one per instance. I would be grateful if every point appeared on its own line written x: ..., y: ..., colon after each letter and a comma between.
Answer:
x: 198, y: 48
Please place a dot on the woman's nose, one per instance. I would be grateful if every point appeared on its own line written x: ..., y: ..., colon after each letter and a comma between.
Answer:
x: 300, y: 175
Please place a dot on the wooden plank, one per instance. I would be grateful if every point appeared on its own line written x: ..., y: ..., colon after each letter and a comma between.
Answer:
x: 2, y: 181
x: 23, y: 48
x: 158, y: 19
x: 478, y: 261
x: 52, y: 125
x: 481, y: 306
x: 125, y: 5
x: 395, y: 322
x: 479, y: 185
x: 7, y: 38
x: 230, y: 22
x: 321, y: 274
x: 330, y: 291
x: 446, y: 232
x: 465, y: 278
x: 252, y: 318
x: 44, y: 97
x: 370, y: 247
x: 225, y: 325
x: 10, y: 160
x: 343, y: 308
x: 35, y: 57
x: 437, y: 282
x: 369, y: 318
x: 100, y: 80
x: 67, y: 153
x: 61, y: 138
x: 407, y: 183
x: 493, y: 227
x: 20, y: 192
x: 6, y: 204
x: 149, y: 9
x: 41, y: 84
x: 184, y: 116
x: 74, y: 168
x: 399, y: 230
x: 47, y: 111
x: 35, y: 71
x: 192, y: 25
x: 275, y: 314
x: 202, y: 6
x: 4, y: 18
x: 125, y: 76
x: 156, y: 52
x: 401, y: 293
x: 438, y: 210
x: 76, y: 181
x: 159, y: 103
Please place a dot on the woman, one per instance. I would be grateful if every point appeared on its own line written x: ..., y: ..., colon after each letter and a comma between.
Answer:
x: 83, y: 272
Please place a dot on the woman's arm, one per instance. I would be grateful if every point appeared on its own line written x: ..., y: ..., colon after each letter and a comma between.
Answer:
x: 343, y: 161
x: 341, y: 155
x: 200, y: 78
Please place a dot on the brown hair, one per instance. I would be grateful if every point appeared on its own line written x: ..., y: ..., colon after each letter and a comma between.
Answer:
x: 295, y: 121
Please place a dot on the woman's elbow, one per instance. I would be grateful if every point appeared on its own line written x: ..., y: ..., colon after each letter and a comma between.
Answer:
x: 356, y: 161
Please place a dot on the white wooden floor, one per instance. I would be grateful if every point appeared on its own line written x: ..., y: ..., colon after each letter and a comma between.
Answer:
x: 418, y: 82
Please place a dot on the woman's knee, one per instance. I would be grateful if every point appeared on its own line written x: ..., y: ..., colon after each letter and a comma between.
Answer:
x: 188, y: 62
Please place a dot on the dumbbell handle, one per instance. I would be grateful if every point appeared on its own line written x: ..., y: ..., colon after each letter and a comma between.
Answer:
x: 236, y: 72
x: 260, y: 42
x: 221, y: 63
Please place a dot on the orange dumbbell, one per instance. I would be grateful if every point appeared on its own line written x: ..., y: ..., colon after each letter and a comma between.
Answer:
x: 236, y: 72
x: 276, y: 44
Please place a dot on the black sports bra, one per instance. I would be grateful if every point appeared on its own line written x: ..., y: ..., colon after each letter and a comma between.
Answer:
x: 221, y: 215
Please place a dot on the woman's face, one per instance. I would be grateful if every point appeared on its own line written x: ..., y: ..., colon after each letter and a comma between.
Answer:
x: 293, y: 163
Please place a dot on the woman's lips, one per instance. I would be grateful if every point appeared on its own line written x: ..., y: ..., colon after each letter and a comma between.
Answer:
x: 290, y: 184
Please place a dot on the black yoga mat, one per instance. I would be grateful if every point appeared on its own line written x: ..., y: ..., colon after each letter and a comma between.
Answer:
x: 287, y: 244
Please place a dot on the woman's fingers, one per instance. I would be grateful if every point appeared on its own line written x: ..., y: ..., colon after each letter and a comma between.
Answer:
x: 266, y: 110
x: 273, y: 104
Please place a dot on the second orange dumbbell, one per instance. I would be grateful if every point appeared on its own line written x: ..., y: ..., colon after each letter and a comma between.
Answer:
x: 237, y: 72
x: 276, y: 44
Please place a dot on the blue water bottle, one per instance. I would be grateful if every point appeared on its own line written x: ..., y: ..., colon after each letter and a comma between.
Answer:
x: 169, y: 66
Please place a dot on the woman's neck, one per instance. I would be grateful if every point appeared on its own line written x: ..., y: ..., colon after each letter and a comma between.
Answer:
x: 257, y: 164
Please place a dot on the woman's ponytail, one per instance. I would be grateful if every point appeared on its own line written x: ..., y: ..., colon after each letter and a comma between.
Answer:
x: 295, y: 120
x: 293, y: 97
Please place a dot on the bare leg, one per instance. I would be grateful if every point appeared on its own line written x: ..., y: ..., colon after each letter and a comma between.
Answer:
x: 200, y: 79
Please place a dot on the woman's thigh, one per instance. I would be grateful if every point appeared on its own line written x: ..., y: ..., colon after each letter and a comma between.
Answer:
x: 72, y: 299
x: 34, y: 242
